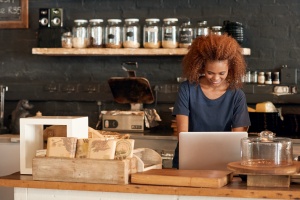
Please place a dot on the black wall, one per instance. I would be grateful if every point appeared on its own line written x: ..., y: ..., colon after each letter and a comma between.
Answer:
x: 272, y: 31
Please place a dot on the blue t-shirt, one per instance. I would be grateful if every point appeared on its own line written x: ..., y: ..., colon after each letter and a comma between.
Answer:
x: 221, y: 114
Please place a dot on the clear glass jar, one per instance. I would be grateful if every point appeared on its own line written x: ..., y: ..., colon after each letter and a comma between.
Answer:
x: 201, y: 29
x: 131, y: 33
x: 113, y: 33
x: 268, y: 79
x: 261, y: 78
x: 80, y: 37
x: 186, y: 32
x: 152, y: 33
x: 276, y: 78
x: 254, y: 77
x: 66, y: 40
x: 170, y: 33
x: 96, y: 31
x: 267, y: 151
x: 217, y: 30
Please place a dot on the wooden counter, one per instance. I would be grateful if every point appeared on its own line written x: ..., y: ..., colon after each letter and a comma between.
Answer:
x: 235, y: 189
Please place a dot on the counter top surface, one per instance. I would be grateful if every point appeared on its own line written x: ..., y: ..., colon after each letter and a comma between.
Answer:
x: 236, y: 188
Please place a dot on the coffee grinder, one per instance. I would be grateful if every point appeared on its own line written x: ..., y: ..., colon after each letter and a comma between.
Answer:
x: 132, y: 90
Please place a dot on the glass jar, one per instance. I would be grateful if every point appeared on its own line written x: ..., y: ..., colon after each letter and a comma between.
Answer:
x: 201, y: 29
x: 113, y: 33
x: 170, y: 33
x: 152, y: 33
x: 266, y: 151
x: 268, y: 78
x: 254, y: 77
x: 131, y: 33
x: 186, y: 32
x: 216, y: 30
x: 261, y: 78
x: 80, y: 37
x: 276, y: 78
x: 66, y: 40
x: 96, y: 31
x: 248, y: 77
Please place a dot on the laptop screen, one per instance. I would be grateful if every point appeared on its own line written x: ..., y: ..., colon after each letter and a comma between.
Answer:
x: 209, y: 150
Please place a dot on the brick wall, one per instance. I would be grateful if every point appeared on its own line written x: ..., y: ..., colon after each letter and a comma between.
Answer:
x: 271, y: 31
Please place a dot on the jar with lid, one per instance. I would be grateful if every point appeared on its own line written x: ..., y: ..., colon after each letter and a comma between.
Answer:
x: 276, y: 78
x: 268, y: 78
x: 217, y: 30
x: 248, y: 77
x: 96, y: 31
x: 261, y: 78
x: 254, y: 77
x: 66, y: 40
x: 201, y: 29
x: 267, y: 151
x: 170, y: 33
x: 131, y: 33
x: 152, y: 33
x: 113, y: 33
x: 186, y: 32
x: 80, y: 37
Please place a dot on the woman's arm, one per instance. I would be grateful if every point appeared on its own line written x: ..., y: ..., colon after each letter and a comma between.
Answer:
x: 240, y: 129
x: 182, y: 123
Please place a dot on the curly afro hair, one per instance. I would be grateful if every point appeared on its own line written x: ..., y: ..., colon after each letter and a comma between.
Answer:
x: 214, y: 48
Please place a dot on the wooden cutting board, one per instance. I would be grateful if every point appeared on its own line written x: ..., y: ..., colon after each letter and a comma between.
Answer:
x: 191, y: 178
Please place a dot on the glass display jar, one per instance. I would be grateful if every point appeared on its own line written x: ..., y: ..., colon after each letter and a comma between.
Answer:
x: 113, y: 33
x: 131, y: 33
x: 217, y: 30
x: 96, y: 31
x: 268, y: 79
x: 261, y: 78
x: 80, y: 37
x: 276, y: 78
x: 201, y: 29
x: 267, y: 151
x: 186, y: 32
x: 152, y: 33
x: 66, y: 40
x: 170, y: 33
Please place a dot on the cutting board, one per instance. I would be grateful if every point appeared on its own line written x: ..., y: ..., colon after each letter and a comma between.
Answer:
x: 191, y: 178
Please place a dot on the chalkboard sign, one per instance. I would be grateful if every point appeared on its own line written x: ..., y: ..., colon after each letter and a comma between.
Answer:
x: 13, y: 13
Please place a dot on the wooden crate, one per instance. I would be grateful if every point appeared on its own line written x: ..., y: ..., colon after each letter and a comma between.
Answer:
x: 83, y: 170
x: 95, y: 170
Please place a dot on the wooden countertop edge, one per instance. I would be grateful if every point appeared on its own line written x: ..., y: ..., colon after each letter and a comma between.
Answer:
x: 234, y: 189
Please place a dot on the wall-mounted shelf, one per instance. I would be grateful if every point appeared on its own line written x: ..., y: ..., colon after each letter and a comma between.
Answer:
x: 114, y: 52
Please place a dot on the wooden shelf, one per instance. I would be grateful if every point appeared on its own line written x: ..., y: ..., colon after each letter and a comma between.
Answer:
x: 114, y: 52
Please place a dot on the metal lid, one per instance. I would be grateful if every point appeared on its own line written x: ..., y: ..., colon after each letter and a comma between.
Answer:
x: 131, y: 20
x: 152, y: 20
x: 114, y: 20
x: 96, y: 20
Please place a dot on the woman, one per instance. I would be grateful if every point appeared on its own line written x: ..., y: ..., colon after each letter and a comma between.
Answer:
x: 211, y: 98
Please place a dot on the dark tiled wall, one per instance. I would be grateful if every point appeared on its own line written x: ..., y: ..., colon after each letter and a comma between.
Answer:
x: 271, y: 28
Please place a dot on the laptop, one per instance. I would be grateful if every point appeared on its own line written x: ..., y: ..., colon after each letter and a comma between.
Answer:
x: 209, y: 150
